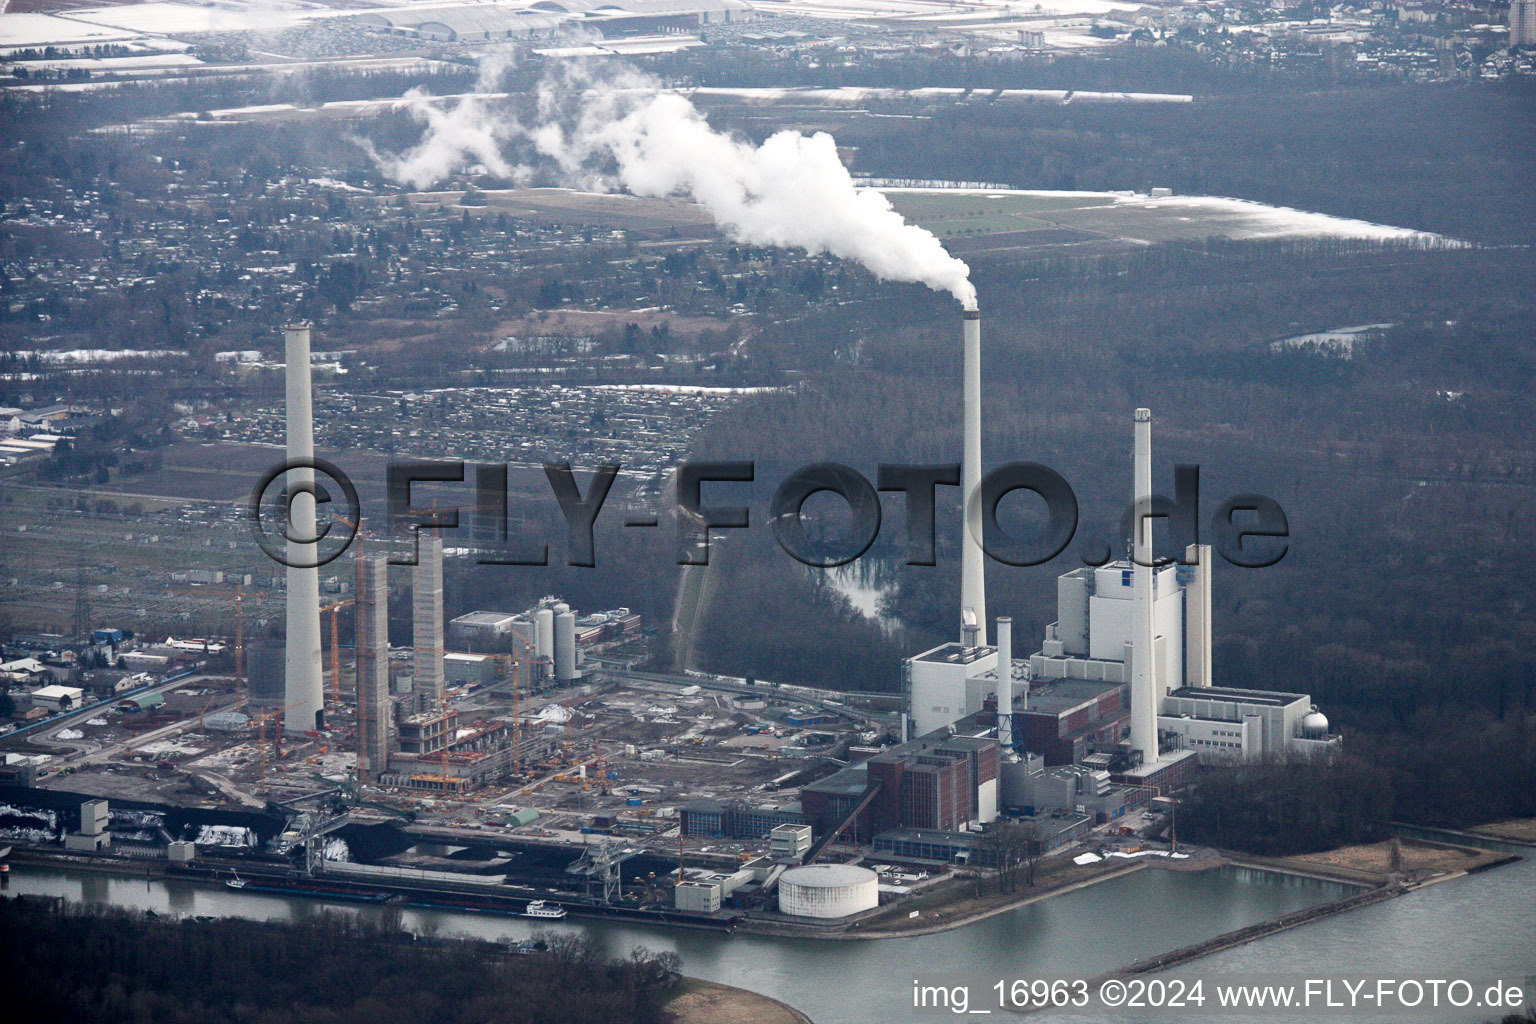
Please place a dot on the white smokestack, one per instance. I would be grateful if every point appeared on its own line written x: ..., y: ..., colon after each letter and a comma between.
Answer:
x: 1005, y: 686
x: 973, y: 583
x: 1144, y: 692
x: 303, y: 689
x: 1197, y: 617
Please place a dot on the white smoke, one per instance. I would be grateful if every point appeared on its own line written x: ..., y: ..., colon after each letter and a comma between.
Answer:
x: 459, y: 135
x: 626, y: 132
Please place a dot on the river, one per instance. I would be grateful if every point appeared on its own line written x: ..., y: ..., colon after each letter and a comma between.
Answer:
x: 1479, y: 925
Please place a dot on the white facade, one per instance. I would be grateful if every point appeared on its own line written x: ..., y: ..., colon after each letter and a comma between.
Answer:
x: 789, y: 841
x: 703, y: 897
x: 58, y: 698
x: 1091, y: 638
x: 828, y: 891
x: 947, y: 683
x: 1224, y: 724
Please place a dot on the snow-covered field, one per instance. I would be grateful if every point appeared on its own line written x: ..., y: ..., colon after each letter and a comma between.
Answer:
x: 1135, y: 216
x: 45, y: 29
x: 1338, y: 340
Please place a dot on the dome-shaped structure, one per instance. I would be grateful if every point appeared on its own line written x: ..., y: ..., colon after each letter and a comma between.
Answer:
x: 828, y: 890
x: 1314, y: 726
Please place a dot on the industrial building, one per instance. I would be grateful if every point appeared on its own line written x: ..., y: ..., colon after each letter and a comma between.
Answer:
x: 938, y: 781
x: 468, y: 23
x: 1087, y: 727
x: 737, y: 820
x: 1224, y: 724
x: 828, y: 891
x: 1085, y: 692
x: 464, y: 23
x: 57, y: 698
x: 550, y: 639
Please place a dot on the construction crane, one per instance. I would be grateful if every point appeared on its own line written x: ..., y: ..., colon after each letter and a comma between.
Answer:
x: 201, y: 727
x: 277, y: 733
x: 334, y: 607
x: 239, y: 648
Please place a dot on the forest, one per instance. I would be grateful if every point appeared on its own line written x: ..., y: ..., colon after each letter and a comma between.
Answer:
x: 106, y: 966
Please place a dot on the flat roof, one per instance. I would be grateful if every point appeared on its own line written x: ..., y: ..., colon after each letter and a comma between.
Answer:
x: 1232, y: 695
x: 850, y: 781
x: 1163, y: 762
x: 954, y: 654
x: 820, y: 875
x: 483, y: 618
x: 1059, y: 696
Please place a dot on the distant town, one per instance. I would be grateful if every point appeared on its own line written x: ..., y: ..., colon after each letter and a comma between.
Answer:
x: 1419, y: 40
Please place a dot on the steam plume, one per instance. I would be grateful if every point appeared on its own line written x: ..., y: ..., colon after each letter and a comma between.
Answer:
x: 456, y: 136
x: 625, y: 132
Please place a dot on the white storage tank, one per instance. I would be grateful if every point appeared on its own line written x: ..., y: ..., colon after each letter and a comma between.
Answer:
x: 565, y: 643
x: 828, y: 890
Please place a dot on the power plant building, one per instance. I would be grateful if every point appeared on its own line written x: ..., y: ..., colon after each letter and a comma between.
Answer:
x: 1086, y: 701
x: 938, y: 781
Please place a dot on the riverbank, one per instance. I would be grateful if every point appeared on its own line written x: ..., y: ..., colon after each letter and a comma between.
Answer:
x: 1411, y: 861
x: 708, y: 1002
x: 1515, y: 830
x: 949, y: 905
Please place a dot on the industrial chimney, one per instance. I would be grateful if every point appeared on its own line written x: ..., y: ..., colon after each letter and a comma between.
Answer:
x: 1144, y: 691
x: 303, y: 690
x: 1005, y: 687
x: 973, y: 584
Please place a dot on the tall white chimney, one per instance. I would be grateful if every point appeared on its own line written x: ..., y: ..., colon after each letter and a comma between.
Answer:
x: 1005, y: 687
x: 303, y: 690
x: 1144, y: 694
x: 973, y: 584
x: 1197, y: 618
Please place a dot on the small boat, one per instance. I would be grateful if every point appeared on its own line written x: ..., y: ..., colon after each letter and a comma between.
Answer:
x: 539, y: 908
x: 235, y: 883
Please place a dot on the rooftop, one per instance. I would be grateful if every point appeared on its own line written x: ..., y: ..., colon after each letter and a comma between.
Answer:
x: 1060, y: 696
x: 827, y: 875
x: 954, y: 654
x: 1232, y: 695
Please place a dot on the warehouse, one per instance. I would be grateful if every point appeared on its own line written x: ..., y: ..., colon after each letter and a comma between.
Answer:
x: 464, y: 24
